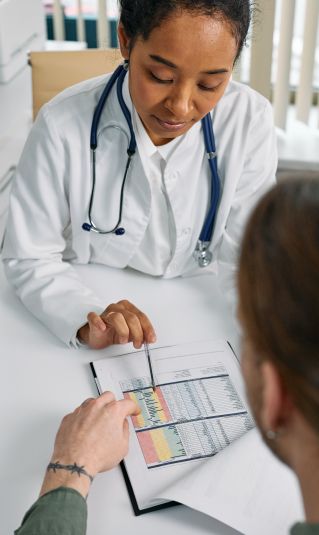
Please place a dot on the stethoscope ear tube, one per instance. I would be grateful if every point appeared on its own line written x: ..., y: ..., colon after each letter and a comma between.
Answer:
x: 118, y: 75
x: 207, y: 230
x: 119, y: 231
x: 101, y: 103
x: 202, y: 253
x: 132, y: 145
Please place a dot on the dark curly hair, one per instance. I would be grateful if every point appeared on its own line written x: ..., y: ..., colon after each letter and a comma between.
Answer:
x: 140, y: 17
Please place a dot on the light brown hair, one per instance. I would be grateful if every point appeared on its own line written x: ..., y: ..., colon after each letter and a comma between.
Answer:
x: 278, y: 286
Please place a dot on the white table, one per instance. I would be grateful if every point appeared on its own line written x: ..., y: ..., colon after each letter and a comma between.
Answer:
x: 41, y: 380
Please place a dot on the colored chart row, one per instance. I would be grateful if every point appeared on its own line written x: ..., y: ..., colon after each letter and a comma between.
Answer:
x: 192, y: 440
x: 185, y: 401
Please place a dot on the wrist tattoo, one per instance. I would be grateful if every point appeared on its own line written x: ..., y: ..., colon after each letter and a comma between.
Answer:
x: 73, y: 468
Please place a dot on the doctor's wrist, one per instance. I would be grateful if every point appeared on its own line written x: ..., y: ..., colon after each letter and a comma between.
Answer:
x: 83, y: 334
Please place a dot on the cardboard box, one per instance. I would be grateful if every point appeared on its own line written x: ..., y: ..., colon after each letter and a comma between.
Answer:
x: 54, y: 71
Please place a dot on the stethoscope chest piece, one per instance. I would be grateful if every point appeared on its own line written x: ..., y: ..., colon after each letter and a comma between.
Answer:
x: 202, y: 254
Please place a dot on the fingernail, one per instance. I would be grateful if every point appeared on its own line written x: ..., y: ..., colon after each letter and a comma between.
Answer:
x: 152, y: 338
x: 123, y: 340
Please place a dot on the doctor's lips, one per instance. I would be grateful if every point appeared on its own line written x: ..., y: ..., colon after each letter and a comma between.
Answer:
x: 171, y: 126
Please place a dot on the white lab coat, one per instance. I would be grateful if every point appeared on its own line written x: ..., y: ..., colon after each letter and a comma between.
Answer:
x: 51, y: 191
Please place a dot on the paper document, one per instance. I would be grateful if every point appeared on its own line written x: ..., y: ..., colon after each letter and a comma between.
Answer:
x: 188, y: 427
x: 187, y: 419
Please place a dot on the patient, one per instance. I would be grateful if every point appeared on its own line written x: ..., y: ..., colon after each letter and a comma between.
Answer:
x: 279, y: 312
x: 278, y: 286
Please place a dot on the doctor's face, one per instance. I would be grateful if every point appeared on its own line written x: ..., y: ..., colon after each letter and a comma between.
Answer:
x: 179, y: 73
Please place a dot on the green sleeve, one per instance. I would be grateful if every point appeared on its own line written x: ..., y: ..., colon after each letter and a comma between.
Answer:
x: 62, y: 511
x: 302, y: 528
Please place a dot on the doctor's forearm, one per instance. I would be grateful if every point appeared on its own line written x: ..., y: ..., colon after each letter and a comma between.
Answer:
x: 54, y: 294
x: 83, y: 334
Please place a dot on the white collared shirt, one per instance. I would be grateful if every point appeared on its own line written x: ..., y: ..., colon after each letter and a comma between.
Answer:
x: 156, y: 250
x: 156, y: 254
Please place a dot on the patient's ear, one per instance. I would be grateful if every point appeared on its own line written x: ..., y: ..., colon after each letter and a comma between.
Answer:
x: 276, y: 402
x: 124, y: 41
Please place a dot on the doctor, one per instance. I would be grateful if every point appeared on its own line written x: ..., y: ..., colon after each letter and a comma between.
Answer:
x: 179, y: 156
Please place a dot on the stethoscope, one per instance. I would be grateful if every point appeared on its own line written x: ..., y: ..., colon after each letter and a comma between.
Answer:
x: 201, y: 253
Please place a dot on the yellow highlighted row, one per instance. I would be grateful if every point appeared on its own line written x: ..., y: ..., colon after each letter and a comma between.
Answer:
x: 161, y: 446
x: 140, y: 420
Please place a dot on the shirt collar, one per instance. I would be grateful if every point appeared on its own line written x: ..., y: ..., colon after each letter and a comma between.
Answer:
x: 164, y: 151
x: 142, y: 137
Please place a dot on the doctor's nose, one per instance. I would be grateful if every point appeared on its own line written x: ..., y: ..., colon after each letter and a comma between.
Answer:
x: 180, y: 103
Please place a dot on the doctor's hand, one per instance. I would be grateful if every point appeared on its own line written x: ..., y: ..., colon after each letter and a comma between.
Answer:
x: 120, y: 323
x: 92, y: 439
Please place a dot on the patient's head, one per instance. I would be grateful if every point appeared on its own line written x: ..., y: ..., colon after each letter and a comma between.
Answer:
x: 279, y: 311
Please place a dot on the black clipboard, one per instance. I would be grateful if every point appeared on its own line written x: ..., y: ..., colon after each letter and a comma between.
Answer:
x: 136, y: 509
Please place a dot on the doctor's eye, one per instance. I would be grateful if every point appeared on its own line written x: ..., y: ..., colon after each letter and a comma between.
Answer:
x: 211, y: 89
x: 159, y: 80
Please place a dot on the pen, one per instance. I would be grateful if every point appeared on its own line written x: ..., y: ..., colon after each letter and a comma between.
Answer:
x: 148, y: 355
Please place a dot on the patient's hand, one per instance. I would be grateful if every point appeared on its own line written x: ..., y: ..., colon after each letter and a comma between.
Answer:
x: 93, y: 438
